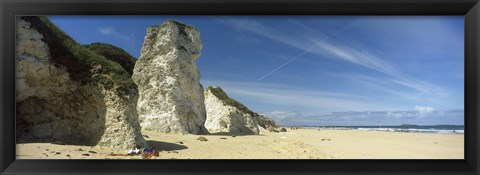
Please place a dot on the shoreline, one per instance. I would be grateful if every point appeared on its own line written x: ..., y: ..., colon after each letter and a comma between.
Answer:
x: 383, y: 129
x: 293, y: 144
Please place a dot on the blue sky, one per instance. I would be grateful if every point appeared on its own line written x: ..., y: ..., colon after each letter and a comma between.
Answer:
x: 317, y: 70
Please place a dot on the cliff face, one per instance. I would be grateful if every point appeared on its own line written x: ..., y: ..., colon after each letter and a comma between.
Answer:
x: 66, y: 92
x: 265, y: 122
x: 171, y: 96
x: 227, y: 115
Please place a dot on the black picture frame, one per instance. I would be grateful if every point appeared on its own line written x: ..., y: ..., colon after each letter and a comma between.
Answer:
x: 10, y: 8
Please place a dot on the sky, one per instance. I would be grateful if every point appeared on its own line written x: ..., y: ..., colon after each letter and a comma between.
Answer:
x: 317, y: 70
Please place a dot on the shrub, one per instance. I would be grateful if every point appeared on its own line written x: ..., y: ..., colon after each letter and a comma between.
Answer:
x: 114, y: 54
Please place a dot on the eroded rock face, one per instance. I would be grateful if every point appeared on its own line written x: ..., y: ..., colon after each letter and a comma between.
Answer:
x: 171, y: 96
x: 223, y: 116
x: 50, y: 104
x: 265, y: 122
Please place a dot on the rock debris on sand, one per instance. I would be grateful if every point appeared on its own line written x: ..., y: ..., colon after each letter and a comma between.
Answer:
x: 203, y: 139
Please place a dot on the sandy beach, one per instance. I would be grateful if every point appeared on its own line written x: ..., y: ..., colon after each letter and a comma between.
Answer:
x: 293, y: 144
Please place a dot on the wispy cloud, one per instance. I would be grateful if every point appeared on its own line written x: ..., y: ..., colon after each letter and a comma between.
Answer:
x: 317, y: 44
x: 385, y: 84
x: 247, y: 39
x: 112, y: 32
x: 108, y: 31
x: 424, y: 116
x: 321, y: 107
x: 281, y: 115
x: 424, y: 110
x: 284, y: 64
x: 316, y: 100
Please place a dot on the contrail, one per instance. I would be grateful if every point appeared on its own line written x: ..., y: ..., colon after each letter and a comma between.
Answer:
x: 289, y: 61
x: 305, y: 51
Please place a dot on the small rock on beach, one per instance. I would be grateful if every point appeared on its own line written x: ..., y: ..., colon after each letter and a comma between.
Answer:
x: 203, y: 139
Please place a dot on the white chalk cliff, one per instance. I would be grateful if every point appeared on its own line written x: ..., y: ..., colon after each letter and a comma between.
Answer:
x: 226, y: 115
x: 84, y: 95
x: 58, y: 95
x: 171, y: 96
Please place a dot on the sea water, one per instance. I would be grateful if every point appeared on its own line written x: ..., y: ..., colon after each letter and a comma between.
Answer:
x: 438, y: 129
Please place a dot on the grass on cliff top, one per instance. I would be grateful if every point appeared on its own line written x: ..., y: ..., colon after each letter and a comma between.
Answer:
x: 115, y: 54
x: 220, y: 94
x: 82, y: 64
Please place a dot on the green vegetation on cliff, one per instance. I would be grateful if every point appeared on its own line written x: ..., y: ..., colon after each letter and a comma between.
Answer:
x: 220, y: 94
x: 115, y: 54
x: 82, y: 64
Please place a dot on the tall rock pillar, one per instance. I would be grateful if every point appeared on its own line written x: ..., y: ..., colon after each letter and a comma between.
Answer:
x: 171, y: 96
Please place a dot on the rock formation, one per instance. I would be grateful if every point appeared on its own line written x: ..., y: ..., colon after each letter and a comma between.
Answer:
x: 265, y: 122
x: 227, y: 115
x: 171, y: 96
x: 66, y: 92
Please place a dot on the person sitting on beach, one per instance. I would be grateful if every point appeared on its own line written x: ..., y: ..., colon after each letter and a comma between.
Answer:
x: 150, y: 153
x: 135, y: 151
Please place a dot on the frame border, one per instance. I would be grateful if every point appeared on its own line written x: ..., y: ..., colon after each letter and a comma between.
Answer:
x: 470, y: 9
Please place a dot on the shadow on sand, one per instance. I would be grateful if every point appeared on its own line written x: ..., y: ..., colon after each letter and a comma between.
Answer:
x: 51, y: 140
x: 230, y: 134
x: 165, y: 146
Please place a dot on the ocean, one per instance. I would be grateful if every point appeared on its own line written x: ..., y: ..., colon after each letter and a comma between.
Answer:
x: 438, y: 129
